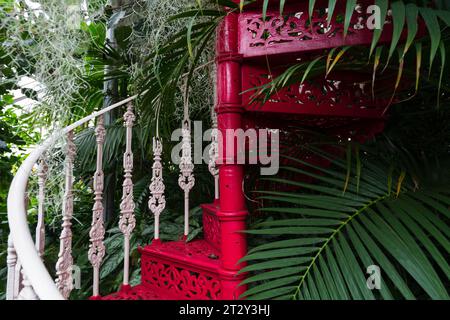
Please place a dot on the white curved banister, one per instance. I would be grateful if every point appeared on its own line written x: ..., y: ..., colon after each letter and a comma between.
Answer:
x: 40, y: 279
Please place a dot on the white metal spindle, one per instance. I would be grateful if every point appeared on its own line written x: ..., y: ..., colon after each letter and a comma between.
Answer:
x: 23, y: 287
x: 40, y: 228
x: 64, y: 265
x: 18, y: 279
x: 97, y: 233
x: 214, y: 154
x: 11, y: 262
x: 186, y: 180
x: 157, y: 201
x: 127, y: 221
x: 27, y: 291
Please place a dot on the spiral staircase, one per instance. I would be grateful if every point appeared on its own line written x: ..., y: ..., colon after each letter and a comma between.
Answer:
x: 208, y: 268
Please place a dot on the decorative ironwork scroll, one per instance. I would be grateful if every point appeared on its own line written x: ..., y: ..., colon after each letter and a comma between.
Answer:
x: 127, y: 221
x: 64, y: 264
x: 157, y: 201
x: 186, y: 180
x: 97, y: 233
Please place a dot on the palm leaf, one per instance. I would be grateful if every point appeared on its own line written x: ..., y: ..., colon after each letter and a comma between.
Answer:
x: 398, y: 18
x: 331, y: 7
x: 431, y: 21
x: 322, y: 243
x: 383, y: 5
x: 412, y: 13
x: 351, y: 4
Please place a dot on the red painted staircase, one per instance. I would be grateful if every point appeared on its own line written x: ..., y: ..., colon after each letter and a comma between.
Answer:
x: 342, y: 104
x: 180, y: 270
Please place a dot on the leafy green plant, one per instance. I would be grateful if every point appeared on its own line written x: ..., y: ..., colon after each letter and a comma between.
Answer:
x: 321, y: 239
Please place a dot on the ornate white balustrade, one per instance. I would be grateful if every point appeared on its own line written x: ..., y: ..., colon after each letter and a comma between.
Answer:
x: 127, y: 221
x: 214, y: 153
x: 28, y: 277
x: 65, y: 259
x: 97, y: 233
x: 157, y: 201
x: 186, y: 180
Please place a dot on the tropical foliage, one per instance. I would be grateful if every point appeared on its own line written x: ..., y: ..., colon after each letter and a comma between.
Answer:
x: 323, y: 238
x: 384, y: 205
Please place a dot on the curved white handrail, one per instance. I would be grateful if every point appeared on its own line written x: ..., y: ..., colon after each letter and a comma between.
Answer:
x: 34, y: 268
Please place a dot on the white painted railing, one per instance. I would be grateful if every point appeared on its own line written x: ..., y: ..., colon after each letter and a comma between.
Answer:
x: 28, y: 277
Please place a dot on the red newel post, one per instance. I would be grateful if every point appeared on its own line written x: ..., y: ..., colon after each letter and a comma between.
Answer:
x: 232, y: 212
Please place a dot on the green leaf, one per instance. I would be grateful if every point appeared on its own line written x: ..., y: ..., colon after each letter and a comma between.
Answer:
x: 287, y: 243
x: 410, y: 259
x: 412, y: 13
x: 309, y: 68
x: 406, y: 235
x: 349, y: 167
x: 265, y: 5
x: 199, y: 4
x: 358, y: 167
x: 441, y: 75
x: 431, y: 21
x: 273, y: 274
x: 398, y: 19
x: 383, y: 261
x: 444, y: 16
x: 269, y: 294
x: 418, y: 64
x: 291, y: 230
x: 336, y: 59
x: 419, y: 233
x: 383, y: 5
x: 271, y: 285
x: 274, y: 264
x: 367, y: 260
x: 282, y: 3
x: 279, y: 253
x: 189, y: 36
x: 376, y: 64
x: 331, y: 7
x: 306, y: 212
x: 351, y: 4
x: 311, y: 10
x: 196, y: 13
x: 300, y: 222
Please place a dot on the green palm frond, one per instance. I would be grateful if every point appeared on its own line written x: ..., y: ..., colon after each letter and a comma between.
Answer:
x: 323, y: 240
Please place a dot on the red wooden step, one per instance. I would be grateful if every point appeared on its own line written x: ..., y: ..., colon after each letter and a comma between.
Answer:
x: 341, y: 95
x: 138, y: 292
x: 182, y: 271
x: 293, y: 33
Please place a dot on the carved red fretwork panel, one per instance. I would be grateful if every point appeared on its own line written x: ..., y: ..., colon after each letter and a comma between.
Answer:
x: 337, y: 96
x: 178, y: 282
x: 211, y: 225
x: 182, y: 270
x: 293, y: 32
